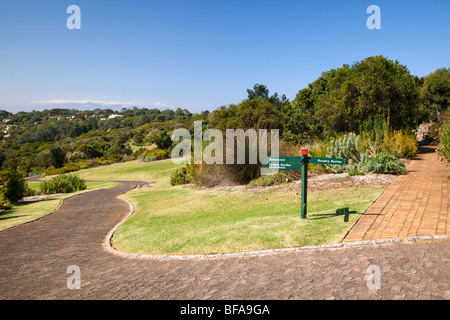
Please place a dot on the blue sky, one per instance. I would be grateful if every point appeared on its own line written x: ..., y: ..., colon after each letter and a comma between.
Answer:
x: 199, y: 54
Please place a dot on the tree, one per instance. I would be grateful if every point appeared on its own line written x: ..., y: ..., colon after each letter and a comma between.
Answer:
x: 5, y: 114
x: 163, y: 141
x: 342, y: 98
x: 2, y: 158
x: 92, y: 150
x: 259, y: 111
x: 256, y: 114
x: 16, y: 186
x: 435, y: 93
x: 260, y: 91
x: 57, y: 157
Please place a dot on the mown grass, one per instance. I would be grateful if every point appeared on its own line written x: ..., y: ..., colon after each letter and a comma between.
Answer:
x: 27, y: 211
x: 157, y: 171
x: 183, y: 220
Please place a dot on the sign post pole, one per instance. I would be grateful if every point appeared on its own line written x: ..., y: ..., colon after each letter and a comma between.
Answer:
x: 304, y: 191
x: 301, y: 163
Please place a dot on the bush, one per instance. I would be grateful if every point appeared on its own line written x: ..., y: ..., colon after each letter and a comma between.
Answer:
x: 384, y: 163
x: 444, y: 138
x: 401, y: 144
x: 69, y: 167
x: 275, y: 179
x: 377, y: 137
x: 57, y: 157
x: 16, y: 187
x: 153, y: 155
x: 373, y: 132
x: 356, y: 173
x: 347, y: 148
x: 180, y: 176
x: 139, y: 152
x: 63, y: 184
x: 163, y: 140
x: 5, y: 204
x: 76, y: 156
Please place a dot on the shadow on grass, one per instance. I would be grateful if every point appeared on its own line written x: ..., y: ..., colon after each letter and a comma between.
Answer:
x: 11, y: 217
x: 23, y: 203
x: 18, y: 205
x: 339, y: 212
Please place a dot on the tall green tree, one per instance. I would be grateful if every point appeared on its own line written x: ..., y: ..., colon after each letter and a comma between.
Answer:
x: 163, y: 140
x: 342, y: 98
x: 435, y: 93
x: 57, y: 157
x: 15, y: 186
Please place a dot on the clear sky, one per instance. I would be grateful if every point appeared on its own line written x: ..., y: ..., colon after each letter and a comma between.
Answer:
x: 201, y: 54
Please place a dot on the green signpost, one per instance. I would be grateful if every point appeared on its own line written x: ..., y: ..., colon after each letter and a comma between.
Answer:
x: 301, y: 163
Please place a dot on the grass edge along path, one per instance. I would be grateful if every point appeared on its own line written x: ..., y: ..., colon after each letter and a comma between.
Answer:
x: 26, y: 212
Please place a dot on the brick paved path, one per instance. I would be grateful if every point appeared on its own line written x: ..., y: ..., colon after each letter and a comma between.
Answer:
x: 416, y: 204
x: 34, y: 259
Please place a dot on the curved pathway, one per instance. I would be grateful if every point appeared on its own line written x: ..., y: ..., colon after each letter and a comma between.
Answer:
x: 34, y: 259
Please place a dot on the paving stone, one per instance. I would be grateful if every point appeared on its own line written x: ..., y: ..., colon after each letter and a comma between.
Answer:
x: 411, y: 206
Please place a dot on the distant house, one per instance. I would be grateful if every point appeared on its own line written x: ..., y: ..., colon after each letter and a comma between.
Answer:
x: 115, y: 116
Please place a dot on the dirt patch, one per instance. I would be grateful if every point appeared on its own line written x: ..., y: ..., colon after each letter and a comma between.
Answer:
x: 343, y: 180
x: 322, y: 182
x: 40, y: 197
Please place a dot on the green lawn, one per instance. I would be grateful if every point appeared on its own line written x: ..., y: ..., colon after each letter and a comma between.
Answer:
x: 183, y: 220
x: 157, y: 171
x: 28, y: 211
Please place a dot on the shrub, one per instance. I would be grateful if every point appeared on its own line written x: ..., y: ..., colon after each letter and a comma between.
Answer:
x: 180, y: 176
x: 377, y: 137
x: 347, y: 148
x: 401, y: 144
x: 57, y: 157
x: 16, y: 186
x: 373, y: 132
x: 69, y: 167
x: 5, y: 204
x: 385, y: 163
x: 139, y: 152
x: 76, y: 155
x: 63, y: 184
x: 152, y: 155
x: 444, y: 138
x: 163, y: 140
x: 356, y: 173
x: 184, y: 175
x: 275, y: 179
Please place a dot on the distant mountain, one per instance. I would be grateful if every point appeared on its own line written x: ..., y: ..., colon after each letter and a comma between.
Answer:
x: 79, y: 105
